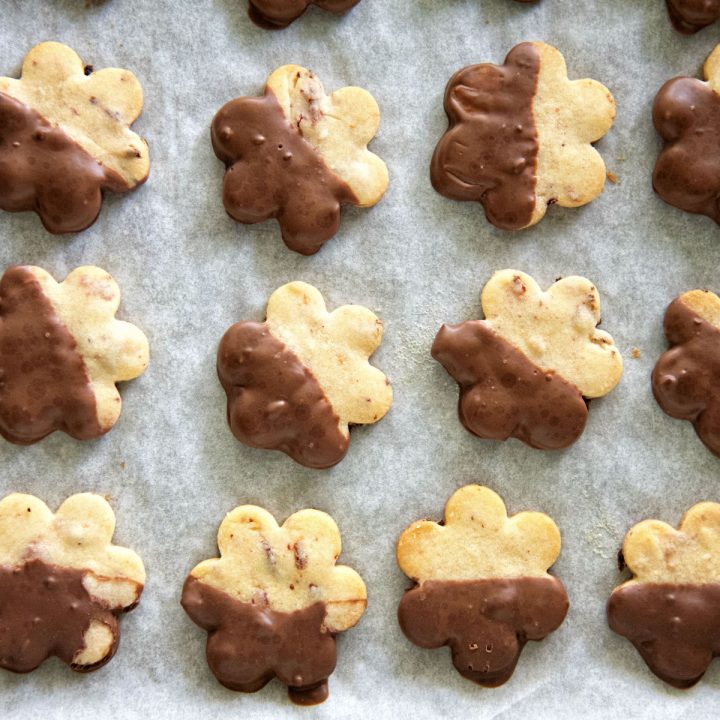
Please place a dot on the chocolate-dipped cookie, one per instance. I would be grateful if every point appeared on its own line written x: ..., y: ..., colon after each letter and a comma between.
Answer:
x: 670, y: 609
x: 278, y: 14
x: 481, y: 583
x: 526, y: 370
x: 520, y: 135
x: 689, y: 16
x: 296, y: 154
x: 274, y: 600
x: 65, y: 138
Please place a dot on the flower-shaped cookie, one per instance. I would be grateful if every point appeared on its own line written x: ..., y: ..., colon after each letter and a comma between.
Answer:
x: 274, y: 600
x: 482, y: 585
x: 298, y: 381
x: 65, y: 138
x: 62, y: 582
x: 684, y: 380
x: 670, y: 609
x: 689, y: 16
x: 523, y: 371
x: 686, y: 113
x: 520, y: 137
x: 297, y: 154
x: 61, y: 353
x: 276, y: 14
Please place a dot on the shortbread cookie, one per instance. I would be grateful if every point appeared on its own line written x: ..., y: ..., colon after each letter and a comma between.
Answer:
x: 670, y: 609
x: 298, y: 381
x: 62, y: 582
x: 689, y: 16
x: 520, y: 137
x: 274, y: 601
x: 684, y: 380
x: 65, y: 138
x: 296, y: 154
x: 686, y: 113
x: 525, y: 370
x: 482, y: 585
x: 61, y: 353
x: 276, y: 14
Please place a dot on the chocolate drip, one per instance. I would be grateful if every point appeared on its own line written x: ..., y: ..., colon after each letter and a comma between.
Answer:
x: 686, y: 113
x: 278, y: 14
x: 489, y: 153
x: 44, y: 611
x: 274, y: 401
x: 249, y: 645
x: 485, y: 622
x: 44, y: 384
x: 43, y: 169
x: 675, y: 627
x: 503, y: 394
x: 272, y: 172
x: 689, y: 16
x: 685, y: 378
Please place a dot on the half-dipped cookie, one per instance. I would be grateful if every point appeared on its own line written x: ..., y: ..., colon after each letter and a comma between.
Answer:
x: 670, y: 609
x: 520, y: 137
x: 277, y: 14
x: 526, y: 370
x: 299, y: 380
x: 689, y: 16
x: 297, y: 155
x: 65, y: 138
x: 61, y: 353
x: 274, y: 600
x: 62, y: 582
x: 481, y: 583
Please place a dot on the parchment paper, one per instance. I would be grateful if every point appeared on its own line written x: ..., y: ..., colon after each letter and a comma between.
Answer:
x: 171, y: 467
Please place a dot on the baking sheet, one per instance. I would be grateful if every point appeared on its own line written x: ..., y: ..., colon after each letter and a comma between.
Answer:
x: 171, y: 467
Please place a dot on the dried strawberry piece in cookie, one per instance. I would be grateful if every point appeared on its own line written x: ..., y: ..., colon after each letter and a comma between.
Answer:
x: 277, y: 14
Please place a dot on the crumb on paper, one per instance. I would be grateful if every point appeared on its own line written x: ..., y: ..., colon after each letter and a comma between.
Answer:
x: 612, y: 177
x: 635, y: 353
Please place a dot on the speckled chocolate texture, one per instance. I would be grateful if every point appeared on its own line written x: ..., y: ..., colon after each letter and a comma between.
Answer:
x: 485, y: 622
x: 44, y: 611
x: 277, y: 14
x: 503, y: 394
x: 686, y: 113
x: 43, y: 381
x: 689, y: 16
x: 675, y: 627
x: 43, y: 169
x: 272, y: 172
x: 274, y: 401
x: 489, y: 153
x: 249, y: 645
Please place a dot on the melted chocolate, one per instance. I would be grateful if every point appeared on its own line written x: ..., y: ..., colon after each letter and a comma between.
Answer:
x: 489, y: 153
x: 43, y: 169
x: 44, y: 611
x: 675, y: 627
x: 274, y: 401
x: 503, y: 394
x: 686, y: 113
x: 272, y: 172
x: 685, y: 378
x: 44, y: 384
x: 277, y: 14
x: 249, y: 645
x: 486, y: 622
x: 689, y: 16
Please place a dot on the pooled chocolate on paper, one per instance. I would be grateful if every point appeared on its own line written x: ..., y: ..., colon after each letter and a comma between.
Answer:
x: 689, y: 16
x: 248, y: 645
x: 278, y: 14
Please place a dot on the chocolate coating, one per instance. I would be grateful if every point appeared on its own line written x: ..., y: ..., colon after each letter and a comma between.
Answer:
x: 485, y: 622
x: 272, y: 172
x: 249, y: 645
x: 503, y: 394
x: 278, y: 14
x: 684, y: 380
x: 675, y: 627
x: 489, y: 153
x: 689, y: 16
x: 44, y: 611
x: 43, y: 169
x: 686, y: 113
x: 44, y: 384
x: 274, y: 401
